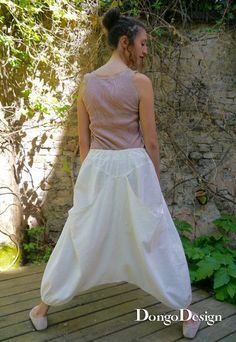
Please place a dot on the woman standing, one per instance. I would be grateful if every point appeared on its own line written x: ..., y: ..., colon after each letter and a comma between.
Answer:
x: 119, y: 228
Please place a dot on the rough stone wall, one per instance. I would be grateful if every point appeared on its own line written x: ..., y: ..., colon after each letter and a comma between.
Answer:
x: 61, y: 181
x: 195, y: 97
x: 48, y: 168
x: 196, y: 117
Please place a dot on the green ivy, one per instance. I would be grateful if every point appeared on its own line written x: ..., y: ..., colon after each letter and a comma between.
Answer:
x: 211, y: 258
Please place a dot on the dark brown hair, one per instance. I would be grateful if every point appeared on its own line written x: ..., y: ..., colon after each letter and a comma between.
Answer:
x: 118, y: 25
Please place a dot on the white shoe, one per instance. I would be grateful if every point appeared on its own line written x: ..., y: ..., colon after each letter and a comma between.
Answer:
x: 190, y: 329
x: 40, y: 323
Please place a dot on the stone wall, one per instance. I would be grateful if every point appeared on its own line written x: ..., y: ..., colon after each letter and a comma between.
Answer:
x: 195, y: 97
x: 196, y: 116
x: 48, y: 172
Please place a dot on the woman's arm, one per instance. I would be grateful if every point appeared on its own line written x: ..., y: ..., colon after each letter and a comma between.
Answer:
x: 147, y: 118
x: 83, y: 126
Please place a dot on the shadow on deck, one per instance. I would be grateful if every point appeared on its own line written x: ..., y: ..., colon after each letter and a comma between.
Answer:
x: 103, y: 313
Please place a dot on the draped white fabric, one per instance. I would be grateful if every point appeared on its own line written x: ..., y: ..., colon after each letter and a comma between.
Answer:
x: 119, y: 229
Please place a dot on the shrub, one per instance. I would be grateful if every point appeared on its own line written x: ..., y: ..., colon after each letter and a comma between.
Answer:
x: 37, y: 249
x: 211, y: 259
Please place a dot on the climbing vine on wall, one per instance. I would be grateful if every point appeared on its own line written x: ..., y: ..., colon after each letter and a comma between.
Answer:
x: 217, y: 12
x: 30, y: 35
x: 39, y: 53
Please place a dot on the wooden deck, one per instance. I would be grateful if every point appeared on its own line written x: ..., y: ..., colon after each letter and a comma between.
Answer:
x: 104, y: 313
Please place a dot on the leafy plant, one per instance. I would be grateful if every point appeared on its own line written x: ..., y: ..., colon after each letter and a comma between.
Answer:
x: 226, y: 222
x: 36, y: 40
x: 210, y: 258
x: 37, y: 248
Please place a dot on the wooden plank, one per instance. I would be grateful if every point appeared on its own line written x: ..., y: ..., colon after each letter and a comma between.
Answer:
x: 217, y: 331
x: 104, y: 308
x: 126, y: 328
x: 95, y: 317
x: 21, y: 272
x: 11, y: 314
x: 12, y: 283
x: 30, y: 284
x: 33, y: 285
x: 102, y: 313
x: 10, y: 301
x: 35, y: 293
x: 30, y: 270
x: 174, y: 332
x: 119, y: 323
x: 136, y: 332
x: 229, y: 338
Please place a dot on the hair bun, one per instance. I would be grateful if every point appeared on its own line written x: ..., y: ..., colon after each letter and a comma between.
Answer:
x: 111, y: 17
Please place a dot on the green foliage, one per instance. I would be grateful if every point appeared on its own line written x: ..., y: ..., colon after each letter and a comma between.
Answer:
x: 211, y: 259
x: 211, y: 29
x: 36, y: 40
x: 36, y: 250
x: 157, y: 4
x: 37, y: 231
x: 218, y: 12
x: 226, y: 222
x: 39, y: 39
x: 183, y: 226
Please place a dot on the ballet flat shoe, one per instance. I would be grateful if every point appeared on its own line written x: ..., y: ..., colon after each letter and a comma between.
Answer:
x: 40, y: 323
x: 190, y: 329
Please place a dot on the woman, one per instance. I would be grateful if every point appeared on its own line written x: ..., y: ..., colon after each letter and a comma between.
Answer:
x: 119, y: 228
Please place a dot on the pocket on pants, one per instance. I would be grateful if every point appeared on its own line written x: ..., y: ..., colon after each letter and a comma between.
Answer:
x: 147, y: 225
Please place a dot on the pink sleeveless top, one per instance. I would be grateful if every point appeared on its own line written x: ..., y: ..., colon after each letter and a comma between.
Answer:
x: 112, y: 103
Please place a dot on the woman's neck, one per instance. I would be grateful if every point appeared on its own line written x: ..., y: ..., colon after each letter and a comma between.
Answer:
x: 117, y: 60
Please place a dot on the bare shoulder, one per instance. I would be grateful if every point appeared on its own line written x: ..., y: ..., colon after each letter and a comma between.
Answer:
x: 142, y: 82
x: 141, y: 77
